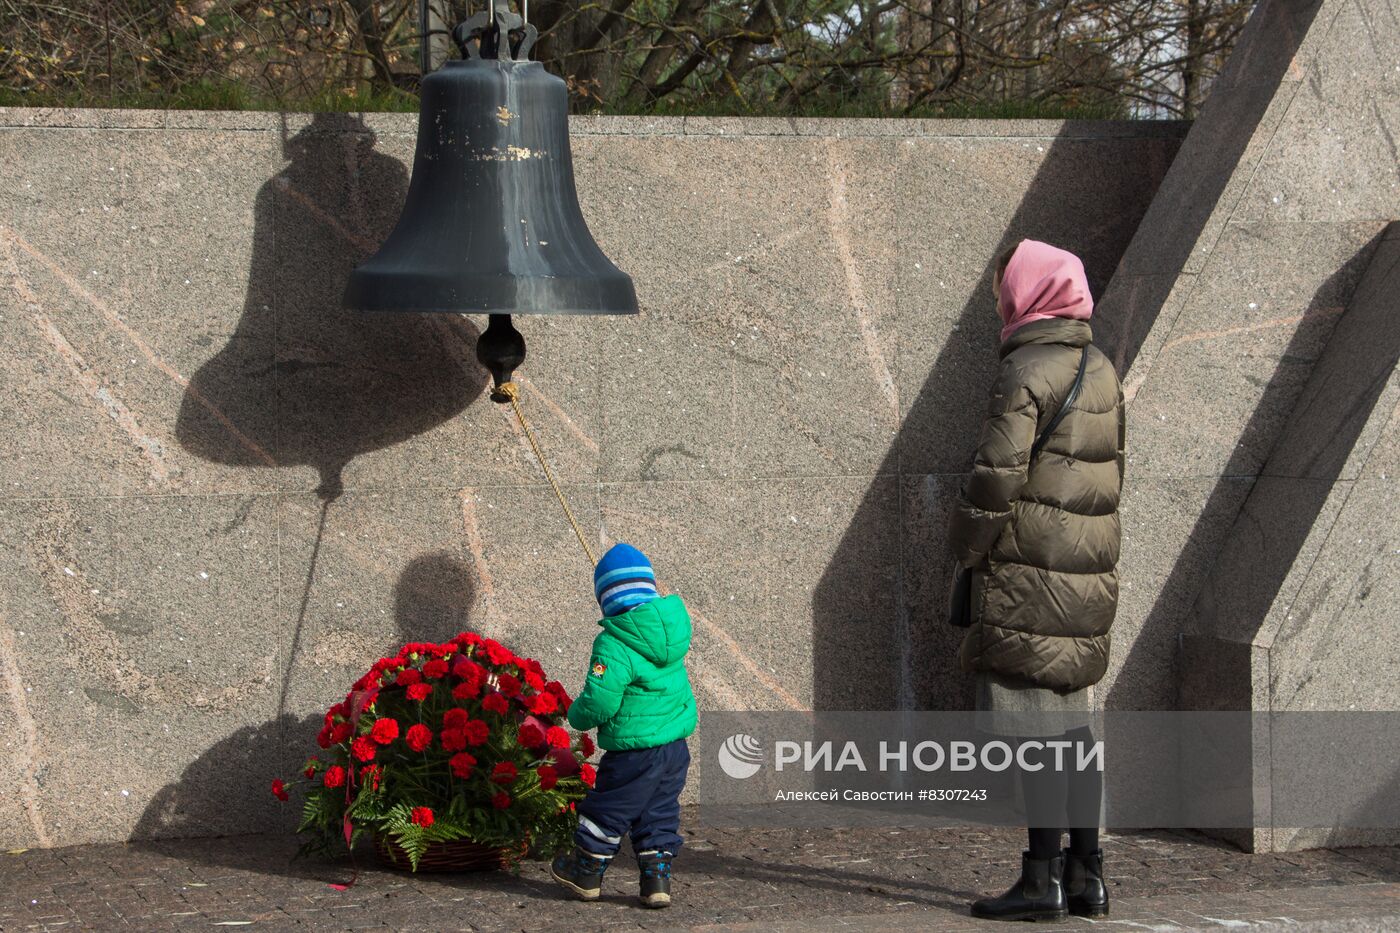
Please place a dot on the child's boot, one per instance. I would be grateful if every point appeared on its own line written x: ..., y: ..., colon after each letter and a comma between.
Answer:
x: 581, y: 872
x: 656, y: 877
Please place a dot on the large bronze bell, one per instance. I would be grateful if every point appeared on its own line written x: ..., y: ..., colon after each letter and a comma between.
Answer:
x: 492, y: 222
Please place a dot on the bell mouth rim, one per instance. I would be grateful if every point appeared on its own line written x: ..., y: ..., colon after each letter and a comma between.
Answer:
x: 510, y: 63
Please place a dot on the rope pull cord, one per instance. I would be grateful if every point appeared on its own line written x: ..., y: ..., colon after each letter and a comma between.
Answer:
x: 509, y: 391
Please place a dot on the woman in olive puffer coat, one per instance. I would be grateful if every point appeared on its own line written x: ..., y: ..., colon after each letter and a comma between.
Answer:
x: 1041, y: 535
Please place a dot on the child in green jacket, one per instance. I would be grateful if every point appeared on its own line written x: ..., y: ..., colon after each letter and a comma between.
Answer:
x: 637, y: 695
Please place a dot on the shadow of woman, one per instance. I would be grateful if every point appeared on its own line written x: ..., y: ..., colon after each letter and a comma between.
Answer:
x: 303, y: 381
x: 226, y: 791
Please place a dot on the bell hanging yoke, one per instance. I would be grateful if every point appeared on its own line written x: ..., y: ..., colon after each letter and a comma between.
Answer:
x: 492, y: 222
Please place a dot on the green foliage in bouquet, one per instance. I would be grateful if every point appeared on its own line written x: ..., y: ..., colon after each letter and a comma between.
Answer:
x: 462, y: 740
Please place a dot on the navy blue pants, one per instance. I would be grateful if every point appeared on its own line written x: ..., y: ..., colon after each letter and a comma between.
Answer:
x: 637, y: 793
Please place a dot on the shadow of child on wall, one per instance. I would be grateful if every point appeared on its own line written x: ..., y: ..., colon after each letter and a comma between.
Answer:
x: 226, y: 791
x: 303, y: 381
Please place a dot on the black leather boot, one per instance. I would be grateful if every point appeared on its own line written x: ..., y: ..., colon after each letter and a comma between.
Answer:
x: 1085, y: 891
x: 581, y: 872
x: 655, y: 865
x: 1037, y: 896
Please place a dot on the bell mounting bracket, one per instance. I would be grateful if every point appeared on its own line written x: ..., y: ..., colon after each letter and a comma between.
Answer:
x: 481, y: 36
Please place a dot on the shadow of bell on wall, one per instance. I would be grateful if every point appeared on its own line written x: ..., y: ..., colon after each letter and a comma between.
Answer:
x: 302, y: 381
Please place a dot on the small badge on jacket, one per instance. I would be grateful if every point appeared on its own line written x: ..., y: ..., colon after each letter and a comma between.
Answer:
x: 599, y: 668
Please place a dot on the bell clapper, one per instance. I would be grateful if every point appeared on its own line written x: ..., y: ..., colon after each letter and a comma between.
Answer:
x: 501, y: 349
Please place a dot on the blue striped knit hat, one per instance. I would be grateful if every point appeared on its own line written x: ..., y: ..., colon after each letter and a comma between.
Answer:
x: 623, y: 579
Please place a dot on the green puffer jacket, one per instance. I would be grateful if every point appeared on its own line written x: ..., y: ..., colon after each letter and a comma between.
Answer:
x: 1043, y: 537
x: 637, y: 693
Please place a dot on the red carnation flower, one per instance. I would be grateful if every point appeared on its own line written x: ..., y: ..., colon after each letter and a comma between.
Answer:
x: 419, y: 692
x: 468, y: 638
x: 498, y: 653
x: 466, y: 690
x: 530, y: 736
x: 334, y: 776
x: 370, y: 696
x: 467, y: 669
x: 534, y: 680
x: 496, y: 703
x: 504, y: 773
x: 501, y: 801
x: 371, y: 775
x: 323, y: 738
x: 340, y: 732
x: 408, y: 676
x: 311, y: 767
x: 419, y: 737
x: 279, y: 790
x: 384, y: 730
x: 435, y: 669
x: 531, y: 665
x: 556, y: 688
x: 542, y: 704
x: 454, y: 718
x: 462, y: 765
x: 453, y: 740
x: 585, y: 744
x: 557, y: 737
x: 422, y: 816
x: 548, y: 777
x: 363, y: 749
x: 477, y: 732
x: 588, y: 774
x: 509, y: 685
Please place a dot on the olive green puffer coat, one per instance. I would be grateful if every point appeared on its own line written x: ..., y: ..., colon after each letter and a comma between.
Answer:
x: 1043, y: 537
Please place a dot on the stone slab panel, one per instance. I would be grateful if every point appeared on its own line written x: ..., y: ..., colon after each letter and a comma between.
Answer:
x: 1360, y: 54
x: 671, y: 408
x: 809, y: 309
x: 1225, y: 381
x: 135, y: 671
x: 937, y: 680
x: 667, y: 374
x: 1172, y: 530
x: 124, y: 294
x: 1333, y: 646
x: 1354, y: 386
x: 1331, y: 161
x: 1276, y: 540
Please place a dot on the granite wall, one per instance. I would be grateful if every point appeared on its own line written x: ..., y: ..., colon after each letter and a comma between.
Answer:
x: 221, y: 495
x: 1254, y: 319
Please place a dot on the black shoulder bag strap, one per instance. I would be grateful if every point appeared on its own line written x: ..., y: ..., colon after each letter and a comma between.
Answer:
x: 1070, y: 399
x: 960, y: 608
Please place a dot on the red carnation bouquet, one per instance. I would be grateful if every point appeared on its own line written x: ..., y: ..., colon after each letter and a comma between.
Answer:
x: 462, y: 740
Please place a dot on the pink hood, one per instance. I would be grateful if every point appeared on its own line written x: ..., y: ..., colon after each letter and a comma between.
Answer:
x: 1042, y: 282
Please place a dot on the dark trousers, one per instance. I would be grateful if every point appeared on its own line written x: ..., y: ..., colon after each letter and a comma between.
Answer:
x: 1059, y: 800
x: 638, y: 793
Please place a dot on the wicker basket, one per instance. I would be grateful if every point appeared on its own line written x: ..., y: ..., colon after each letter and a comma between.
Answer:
x: 458, y: 855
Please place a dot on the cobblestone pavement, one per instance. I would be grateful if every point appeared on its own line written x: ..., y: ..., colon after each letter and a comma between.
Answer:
x: 794, y: 880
